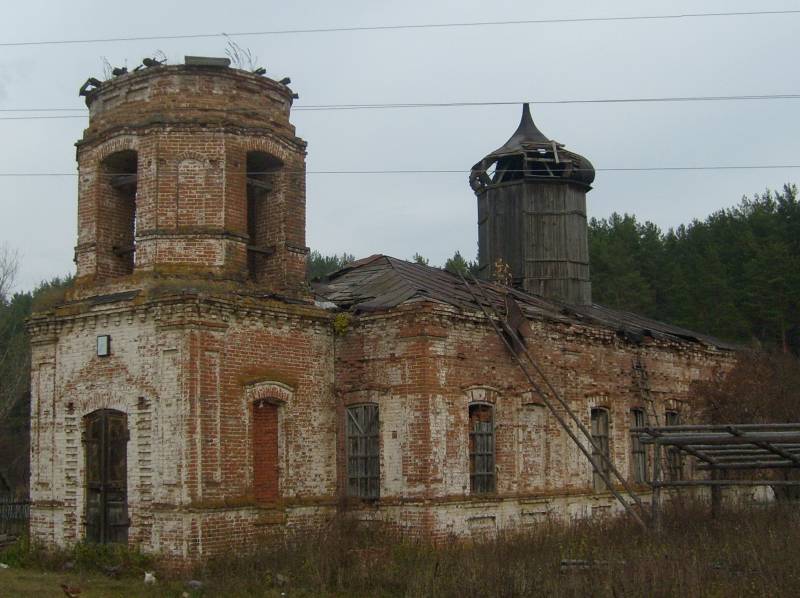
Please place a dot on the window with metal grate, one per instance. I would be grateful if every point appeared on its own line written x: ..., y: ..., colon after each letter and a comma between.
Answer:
x: 638, y: 452
x: 363, y: 452
x: 600, y: 437
x: 481, y: 449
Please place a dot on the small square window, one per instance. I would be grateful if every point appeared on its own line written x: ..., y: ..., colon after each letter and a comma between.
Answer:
x: 103, y: 345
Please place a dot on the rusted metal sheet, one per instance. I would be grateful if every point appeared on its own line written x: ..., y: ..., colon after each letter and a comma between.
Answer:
x: 379, y: 283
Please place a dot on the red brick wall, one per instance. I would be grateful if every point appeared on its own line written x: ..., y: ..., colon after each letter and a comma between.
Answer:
x: 265, y: 451
x: 423, y: 365
x: 192, y: 129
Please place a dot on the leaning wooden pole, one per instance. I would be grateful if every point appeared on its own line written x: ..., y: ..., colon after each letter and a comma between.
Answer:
x: 581, y: 426
x: 656, y: 506
x: 554, y: 411
x: 586, y: 432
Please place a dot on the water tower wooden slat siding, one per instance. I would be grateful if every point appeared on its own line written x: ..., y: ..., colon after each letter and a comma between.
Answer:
x: 532, y: 215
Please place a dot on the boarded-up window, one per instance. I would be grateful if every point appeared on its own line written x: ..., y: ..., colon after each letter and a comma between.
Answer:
x: 674, y: 459
x: 481, y: 449
x: 265, y: 451
x: 363, y: 452
x: 638, y: 453
x: 600, y: 451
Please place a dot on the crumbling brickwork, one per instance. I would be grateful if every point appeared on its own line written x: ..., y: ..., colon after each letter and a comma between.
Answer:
x: 186, y: 133
x: 425, y: 365
x: 242, y: 406
x: 190, y: 376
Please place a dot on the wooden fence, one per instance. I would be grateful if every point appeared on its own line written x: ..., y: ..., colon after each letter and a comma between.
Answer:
x: 14, y: 515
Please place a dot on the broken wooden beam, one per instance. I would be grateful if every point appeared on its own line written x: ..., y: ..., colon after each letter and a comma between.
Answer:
x: 262, y: 249
x: 259, y: 184
x: 123, y: 181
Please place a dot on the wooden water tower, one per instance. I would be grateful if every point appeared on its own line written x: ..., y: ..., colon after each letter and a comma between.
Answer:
x: 532, y: 215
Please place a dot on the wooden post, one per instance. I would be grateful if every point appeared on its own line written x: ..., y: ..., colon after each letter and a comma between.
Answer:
x: 656, y: 506
x: 716, y: 494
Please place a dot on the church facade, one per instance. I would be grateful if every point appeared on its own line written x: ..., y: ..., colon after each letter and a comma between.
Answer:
x: 193, y: 393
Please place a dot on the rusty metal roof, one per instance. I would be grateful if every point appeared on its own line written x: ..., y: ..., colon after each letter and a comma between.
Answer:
x: 380, y: 283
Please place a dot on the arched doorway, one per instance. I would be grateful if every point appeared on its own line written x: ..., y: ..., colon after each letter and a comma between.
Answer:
x: 106, y: 477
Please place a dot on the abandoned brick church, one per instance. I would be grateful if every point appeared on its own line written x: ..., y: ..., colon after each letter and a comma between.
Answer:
x: 193, y: 392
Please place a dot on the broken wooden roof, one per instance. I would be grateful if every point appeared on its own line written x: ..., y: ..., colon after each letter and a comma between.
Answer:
x: 530, y: 154
x: 730, y: 446
x: 527, y: 133
x: 380, y: 283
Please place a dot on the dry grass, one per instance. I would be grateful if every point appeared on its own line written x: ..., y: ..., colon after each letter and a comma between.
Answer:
x: 742, y: 553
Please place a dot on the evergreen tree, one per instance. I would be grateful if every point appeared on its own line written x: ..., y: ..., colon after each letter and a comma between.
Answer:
x: 458, y: 265
x: 319, y: 266
x: 735, y: 274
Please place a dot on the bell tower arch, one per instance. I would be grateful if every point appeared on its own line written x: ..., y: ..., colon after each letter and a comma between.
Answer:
x: 191, y: 171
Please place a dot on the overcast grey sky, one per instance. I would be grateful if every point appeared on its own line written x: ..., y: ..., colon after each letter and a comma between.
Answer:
x: 433, y: 214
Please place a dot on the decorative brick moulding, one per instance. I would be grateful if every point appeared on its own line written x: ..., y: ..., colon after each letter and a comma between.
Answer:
x: 229, y: 408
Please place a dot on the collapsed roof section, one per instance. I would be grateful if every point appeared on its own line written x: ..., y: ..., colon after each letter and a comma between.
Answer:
x: 530, y: 154
x: 381, y: 283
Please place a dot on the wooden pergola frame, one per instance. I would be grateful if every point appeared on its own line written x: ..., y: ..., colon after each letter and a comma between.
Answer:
x: 719, y: 449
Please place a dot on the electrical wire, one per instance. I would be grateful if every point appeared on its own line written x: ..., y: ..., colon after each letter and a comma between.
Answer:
x: 322, y: 107
x: 456, y: 171
x: 567, y: 20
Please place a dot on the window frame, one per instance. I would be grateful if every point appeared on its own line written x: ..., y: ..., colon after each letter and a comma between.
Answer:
x: 482, y: 450
x: 265, y: 476
x: 639, y: 466
x: 604, y: 441
x: 363, y: 451
x: 674, y: 458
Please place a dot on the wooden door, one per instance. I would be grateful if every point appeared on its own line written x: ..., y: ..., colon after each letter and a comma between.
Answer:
x: 107, y: 477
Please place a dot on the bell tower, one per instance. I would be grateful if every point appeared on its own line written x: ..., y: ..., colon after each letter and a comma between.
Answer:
x: 191, y: 171
x: 532, y: 215
x: 169, y: 387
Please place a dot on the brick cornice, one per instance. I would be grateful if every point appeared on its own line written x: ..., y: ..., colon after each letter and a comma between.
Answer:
x: 447, y: 316
x: 179, y: 310
x: 290, y: 143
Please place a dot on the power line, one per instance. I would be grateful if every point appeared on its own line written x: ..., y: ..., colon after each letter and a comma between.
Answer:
x: 352, y: 29
x: 785, y: 96
x: 320, y: 107
x: 462, y: 171
x: 42, y: 109
x: 59, y: 116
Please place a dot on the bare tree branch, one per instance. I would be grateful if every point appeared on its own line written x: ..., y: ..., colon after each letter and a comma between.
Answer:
x: 9, y: 265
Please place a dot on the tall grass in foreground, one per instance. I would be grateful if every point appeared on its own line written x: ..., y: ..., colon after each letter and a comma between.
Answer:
x: 752, y: 552
x: 746, y: 552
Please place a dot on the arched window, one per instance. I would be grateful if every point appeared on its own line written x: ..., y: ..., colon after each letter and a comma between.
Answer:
x: 262, y: 221
x: 265, y: 451
x: 674, y: 459
x: 117, y: 213
x: 363, y: 451
x: 481, y: 449
x: 600, y: 450
x: 638, y: 451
